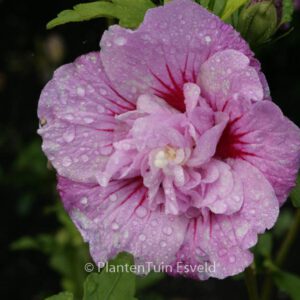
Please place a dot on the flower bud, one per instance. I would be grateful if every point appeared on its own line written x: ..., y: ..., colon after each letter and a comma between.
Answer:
x: 258, y: 22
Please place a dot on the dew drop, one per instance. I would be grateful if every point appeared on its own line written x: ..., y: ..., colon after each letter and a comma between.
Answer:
x: 207, y: 39
x: 154, y: 223
x: 103, y: 92
x: 168, y: 230
x: 163, y: 244
x: 69, y: 134
x: 120, y: 41
x: 232, y: 259
x: 106, y: 150
x: 88, y: 120
x: 67, y: 161
x: 142, y: 237
x: 236, y: 198
x: 69, y: 117
x: 126, y: 234
x: 115, y: 226
x: 84, y: 200
x: 199, y: 251
x: 141, y: 212
x: 113, y: 197
x: 100, y: 109
x: 80, y: 91
x: 84, y: 158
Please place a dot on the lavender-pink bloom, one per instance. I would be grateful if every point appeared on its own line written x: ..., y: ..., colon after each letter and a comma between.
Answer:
x: 167, y: 145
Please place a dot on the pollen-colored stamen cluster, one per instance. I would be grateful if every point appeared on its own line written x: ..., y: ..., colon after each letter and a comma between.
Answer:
x: 168, y: 155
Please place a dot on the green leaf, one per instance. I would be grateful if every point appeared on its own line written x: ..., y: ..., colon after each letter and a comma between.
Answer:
x: 295, y: 194
x: 288, y: 283
x: 61, y: 296
x: 204, y: 3
x: 287, y: 11
x: 130, y: 13
x: 258, y: 22
x: 264, y: 245
x: 149, y: 280
x: 115, y: 282
x: 283, y: 223
x: 232, y: 6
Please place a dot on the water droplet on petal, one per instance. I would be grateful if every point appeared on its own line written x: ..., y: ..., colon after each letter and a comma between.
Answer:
x: 126, y: 234
x: 154, y: 223
x: 199, y: 251
x: 163, y: 244
x: 141, y: 212
x: 80, y: 91
x: 207, y: 39
x: 103, y: 92
x: 88, y: 120
x: 69, y: 134
x: 142, y: 237
x: 106, y: 150
x: 232, y: 259
x: 113, y: 197
x: 115, y: 226
x: 84, y: 200
x: 100, y: 109
x: 84, y: 158
x: 120, y: 41
x: 252, y: 211
x: 67, y: 161
x: 69, y: 117
x: 168, y: 230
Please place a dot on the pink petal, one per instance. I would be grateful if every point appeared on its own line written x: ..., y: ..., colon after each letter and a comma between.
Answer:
x: 167, y: 50
x: 274, y: 142
x: 77, y: 109
x: 117, y: 218
x: 223, y: 241
x: 225, y: 195
x: 228, y: 75
x: 208, y: 141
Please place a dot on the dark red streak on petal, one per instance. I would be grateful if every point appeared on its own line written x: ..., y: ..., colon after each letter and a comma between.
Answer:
x: 173, y: 95
x: 140, y: 186
x: 127, y: 183
x: 229, y: 142
x: 133, y: 106
x: 195, y: 228
x: 141, y: 202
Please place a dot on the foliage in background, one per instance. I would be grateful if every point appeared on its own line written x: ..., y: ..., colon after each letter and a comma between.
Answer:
x: 257, y: 22
x: 66, y: 251
x: 130, y: 13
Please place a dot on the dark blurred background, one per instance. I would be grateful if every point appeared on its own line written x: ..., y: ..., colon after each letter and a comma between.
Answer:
x: 41, y: 252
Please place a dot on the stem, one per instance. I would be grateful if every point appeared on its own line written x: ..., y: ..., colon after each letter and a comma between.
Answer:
x: 211, y: 5
x: 251, y: 283
x: 267, y: 287
x: 289, y: 240
x: 282, y: 255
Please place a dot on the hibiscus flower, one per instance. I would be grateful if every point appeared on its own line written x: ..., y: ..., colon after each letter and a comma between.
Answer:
x: 167, y: 145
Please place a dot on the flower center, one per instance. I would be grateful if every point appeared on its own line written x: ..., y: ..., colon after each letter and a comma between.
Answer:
x: 168, y: 155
